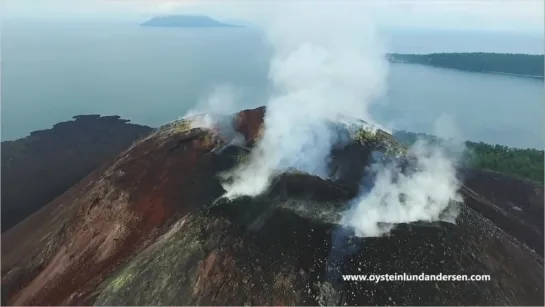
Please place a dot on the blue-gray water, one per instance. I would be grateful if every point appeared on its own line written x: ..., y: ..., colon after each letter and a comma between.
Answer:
x: 152, y: 75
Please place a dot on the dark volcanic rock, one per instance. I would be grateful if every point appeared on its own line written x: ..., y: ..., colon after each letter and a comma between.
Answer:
x: 151, y: 228
x: 515, y: 205
x: 38, y: 168
x: 220, y: 258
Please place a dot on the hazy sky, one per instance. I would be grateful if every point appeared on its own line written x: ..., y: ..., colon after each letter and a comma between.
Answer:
x: 509, y: 15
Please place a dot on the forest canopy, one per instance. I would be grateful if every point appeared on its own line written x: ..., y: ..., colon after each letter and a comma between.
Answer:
x: 522, y: 163
x: 506, y: 63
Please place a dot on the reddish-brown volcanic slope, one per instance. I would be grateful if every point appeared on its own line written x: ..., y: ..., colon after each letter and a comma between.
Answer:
x: 112, y: 212
x: 115, y: 210
x: 38, y: 168
x: 248, y: 250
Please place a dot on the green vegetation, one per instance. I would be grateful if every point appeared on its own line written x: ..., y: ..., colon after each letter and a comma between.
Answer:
x: 506, y: 63
x: 523, y: 163
x: 527, y: 163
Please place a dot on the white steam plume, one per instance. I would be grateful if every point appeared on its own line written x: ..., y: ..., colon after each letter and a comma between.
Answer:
x: 327, y: 61
x: 220, y: 102
x: 424, y: 194
x: 216, y: 112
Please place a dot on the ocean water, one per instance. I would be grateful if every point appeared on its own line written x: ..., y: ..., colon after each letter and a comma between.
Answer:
x: 51, y: 72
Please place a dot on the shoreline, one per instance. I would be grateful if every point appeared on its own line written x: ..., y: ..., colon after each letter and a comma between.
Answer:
x: 466, y: 70
x: 510, y: 74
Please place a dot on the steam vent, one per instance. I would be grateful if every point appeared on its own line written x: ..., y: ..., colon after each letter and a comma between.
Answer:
x: 151, y: 227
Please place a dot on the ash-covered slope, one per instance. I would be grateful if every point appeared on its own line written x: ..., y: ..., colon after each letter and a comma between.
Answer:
x: 151, y: 228
x: 38, y: 168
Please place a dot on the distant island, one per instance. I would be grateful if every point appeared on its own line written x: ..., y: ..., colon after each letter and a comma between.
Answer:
x: 186, y: 21
x: 525, y: 65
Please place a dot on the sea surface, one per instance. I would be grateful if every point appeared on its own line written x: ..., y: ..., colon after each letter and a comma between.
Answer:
x: 53, y: 71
